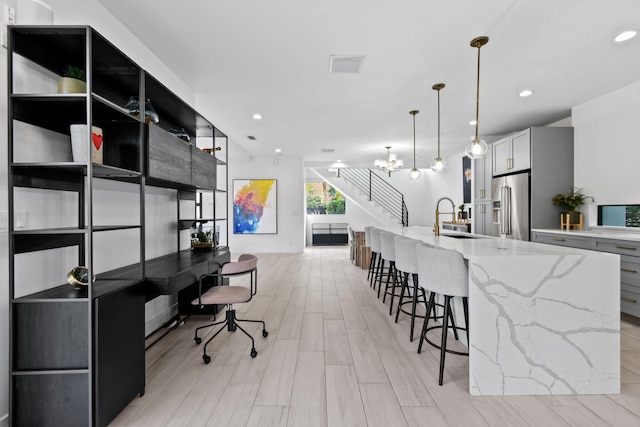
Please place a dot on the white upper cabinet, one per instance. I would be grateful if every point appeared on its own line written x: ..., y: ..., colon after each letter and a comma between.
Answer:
x: 512, y: 154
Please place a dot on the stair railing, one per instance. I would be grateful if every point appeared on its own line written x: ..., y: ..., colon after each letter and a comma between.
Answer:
x: 378, y: 191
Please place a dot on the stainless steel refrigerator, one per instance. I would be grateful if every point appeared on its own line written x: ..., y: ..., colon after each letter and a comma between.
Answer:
x: 511, y: 213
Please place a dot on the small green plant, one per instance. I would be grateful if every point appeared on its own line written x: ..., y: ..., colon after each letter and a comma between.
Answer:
x: 572, y: 200
x: 204, y: 236
x: 73, y: 72
x: 461, y: 208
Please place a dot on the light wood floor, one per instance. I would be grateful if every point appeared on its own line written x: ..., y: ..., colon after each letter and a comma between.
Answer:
x: 334, y: 357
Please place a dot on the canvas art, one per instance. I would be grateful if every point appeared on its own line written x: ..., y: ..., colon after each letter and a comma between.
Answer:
x: 255, y: 206
x: 466, y: 180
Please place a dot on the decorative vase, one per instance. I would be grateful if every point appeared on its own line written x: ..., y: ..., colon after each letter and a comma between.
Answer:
x: 150, y: 114
x: 571, y: 220
x: 80, y: 145
x: 71, y: 85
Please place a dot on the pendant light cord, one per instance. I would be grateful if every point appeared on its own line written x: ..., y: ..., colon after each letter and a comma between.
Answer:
x: 438, y: 123
x: 478, y: 94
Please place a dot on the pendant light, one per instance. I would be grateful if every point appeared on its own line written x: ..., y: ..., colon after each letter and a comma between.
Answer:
x: 414, y: 173
x: 438, y: 164
x: 477, y: 148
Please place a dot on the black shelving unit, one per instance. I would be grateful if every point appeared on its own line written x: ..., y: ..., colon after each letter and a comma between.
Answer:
x: 77, y: 355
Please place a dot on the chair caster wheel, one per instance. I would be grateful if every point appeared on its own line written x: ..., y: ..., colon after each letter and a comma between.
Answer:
x: 254, y: 353
x: 265, y: 333
x: 206, y: 359
x: 197, y: 340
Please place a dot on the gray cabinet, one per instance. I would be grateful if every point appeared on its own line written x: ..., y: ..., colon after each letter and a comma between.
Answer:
x: 512, y: 154
x: 481, y: 218
x: 481, y: 185
x: 629, y: 252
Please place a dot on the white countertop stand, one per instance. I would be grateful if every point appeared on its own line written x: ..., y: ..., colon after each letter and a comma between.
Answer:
x: 544, y: 319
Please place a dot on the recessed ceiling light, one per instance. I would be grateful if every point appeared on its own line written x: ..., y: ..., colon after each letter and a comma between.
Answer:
x: 473, y: 123
x: 525, y: 93
x: 257, y: 116
x: 339, y: 161
x: 278, y: 150
x: 625, y: 35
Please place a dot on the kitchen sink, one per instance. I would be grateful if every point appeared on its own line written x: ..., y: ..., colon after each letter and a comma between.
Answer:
x: 461, y: 236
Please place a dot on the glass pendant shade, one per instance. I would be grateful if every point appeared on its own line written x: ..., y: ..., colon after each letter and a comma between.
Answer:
x: 438, y: 164
x: 414, y: 174
x: 476, y: 149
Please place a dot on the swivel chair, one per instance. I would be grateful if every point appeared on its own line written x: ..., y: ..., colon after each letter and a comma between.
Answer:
x: 229, y: 295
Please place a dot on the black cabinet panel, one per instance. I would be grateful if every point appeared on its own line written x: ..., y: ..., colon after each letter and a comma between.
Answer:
x: 57, y: 332
x: 168, y: 157
x: 55, y: 400
x: 203, y: 169
x: 119, y: 371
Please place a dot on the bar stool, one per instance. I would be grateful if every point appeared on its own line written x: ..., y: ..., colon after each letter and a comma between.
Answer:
x: 443, y: 272
x: 367, y: 244
x: 376, y: 253
x: 407, y: 264
x: 388, y: 254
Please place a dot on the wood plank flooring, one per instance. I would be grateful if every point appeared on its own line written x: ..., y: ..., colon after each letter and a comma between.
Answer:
x: 334, y: 357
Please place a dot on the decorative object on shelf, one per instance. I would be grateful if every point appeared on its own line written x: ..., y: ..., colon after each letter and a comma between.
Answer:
x: 72, y: 80
x: 462, y: 215
x: 79, y: 144
x: 180, y: 133
x: 438, y: 164
x: 211, y: 150
x: 255, y: 206
x: 414, y: 173
x: 78, y: 277
x: 202, y: 240
x: 569, y: 203
x: 150, y: 115
x: 391, y: 164
x: 477, y: 148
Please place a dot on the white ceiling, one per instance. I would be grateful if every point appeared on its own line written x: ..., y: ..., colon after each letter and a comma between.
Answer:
x: 247, y: 56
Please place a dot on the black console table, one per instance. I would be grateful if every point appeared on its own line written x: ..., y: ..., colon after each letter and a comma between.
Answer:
x: 330, y: 234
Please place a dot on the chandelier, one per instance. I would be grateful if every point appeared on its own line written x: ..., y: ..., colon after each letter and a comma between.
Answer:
x: 391, y: 164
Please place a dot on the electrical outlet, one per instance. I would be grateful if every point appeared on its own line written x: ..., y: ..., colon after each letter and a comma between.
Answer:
x: 20, y: 220
x: 8, y: 18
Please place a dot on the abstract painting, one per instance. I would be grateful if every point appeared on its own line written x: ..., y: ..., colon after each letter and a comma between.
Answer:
x: 466, y: 180
x: 254, y: 206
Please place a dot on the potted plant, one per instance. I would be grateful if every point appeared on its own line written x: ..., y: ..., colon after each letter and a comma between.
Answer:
x: 202, y: 241
x: 570, y: 202
x: 72, y: 80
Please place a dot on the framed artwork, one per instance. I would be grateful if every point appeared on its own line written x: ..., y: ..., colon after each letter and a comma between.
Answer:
x: 255, y: 203
x: 323, y: 199
x: 466, y: 180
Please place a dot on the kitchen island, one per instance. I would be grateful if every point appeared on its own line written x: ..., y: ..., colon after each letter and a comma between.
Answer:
x: 544, y: 320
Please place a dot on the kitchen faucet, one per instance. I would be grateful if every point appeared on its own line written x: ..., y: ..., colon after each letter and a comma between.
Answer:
x: 436, y: 227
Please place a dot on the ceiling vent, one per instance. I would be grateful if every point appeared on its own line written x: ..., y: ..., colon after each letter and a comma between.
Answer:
x: 345, y: 64
x: 251, y: 137
x: 327, y: 150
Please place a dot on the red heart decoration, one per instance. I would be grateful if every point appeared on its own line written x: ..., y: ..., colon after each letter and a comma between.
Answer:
x: 97, y: 140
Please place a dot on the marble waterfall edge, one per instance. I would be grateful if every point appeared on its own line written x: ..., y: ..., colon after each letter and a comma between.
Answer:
x: 545, y: 325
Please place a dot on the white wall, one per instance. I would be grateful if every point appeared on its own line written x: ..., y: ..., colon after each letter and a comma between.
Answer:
x: 606, y: 148
x: 289, y: 173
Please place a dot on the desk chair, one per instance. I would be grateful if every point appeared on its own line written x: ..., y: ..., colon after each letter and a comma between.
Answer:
x: 229, y: 295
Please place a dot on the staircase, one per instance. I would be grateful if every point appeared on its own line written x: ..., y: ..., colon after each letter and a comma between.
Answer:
x: 378, y: 191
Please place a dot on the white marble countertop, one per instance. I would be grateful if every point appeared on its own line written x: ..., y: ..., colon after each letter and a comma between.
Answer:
x: 478, y: 245
x: 606, y: 233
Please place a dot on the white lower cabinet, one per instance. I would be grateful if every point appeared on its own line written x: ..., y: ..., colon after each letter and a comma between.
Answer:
x: 629, y: 251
